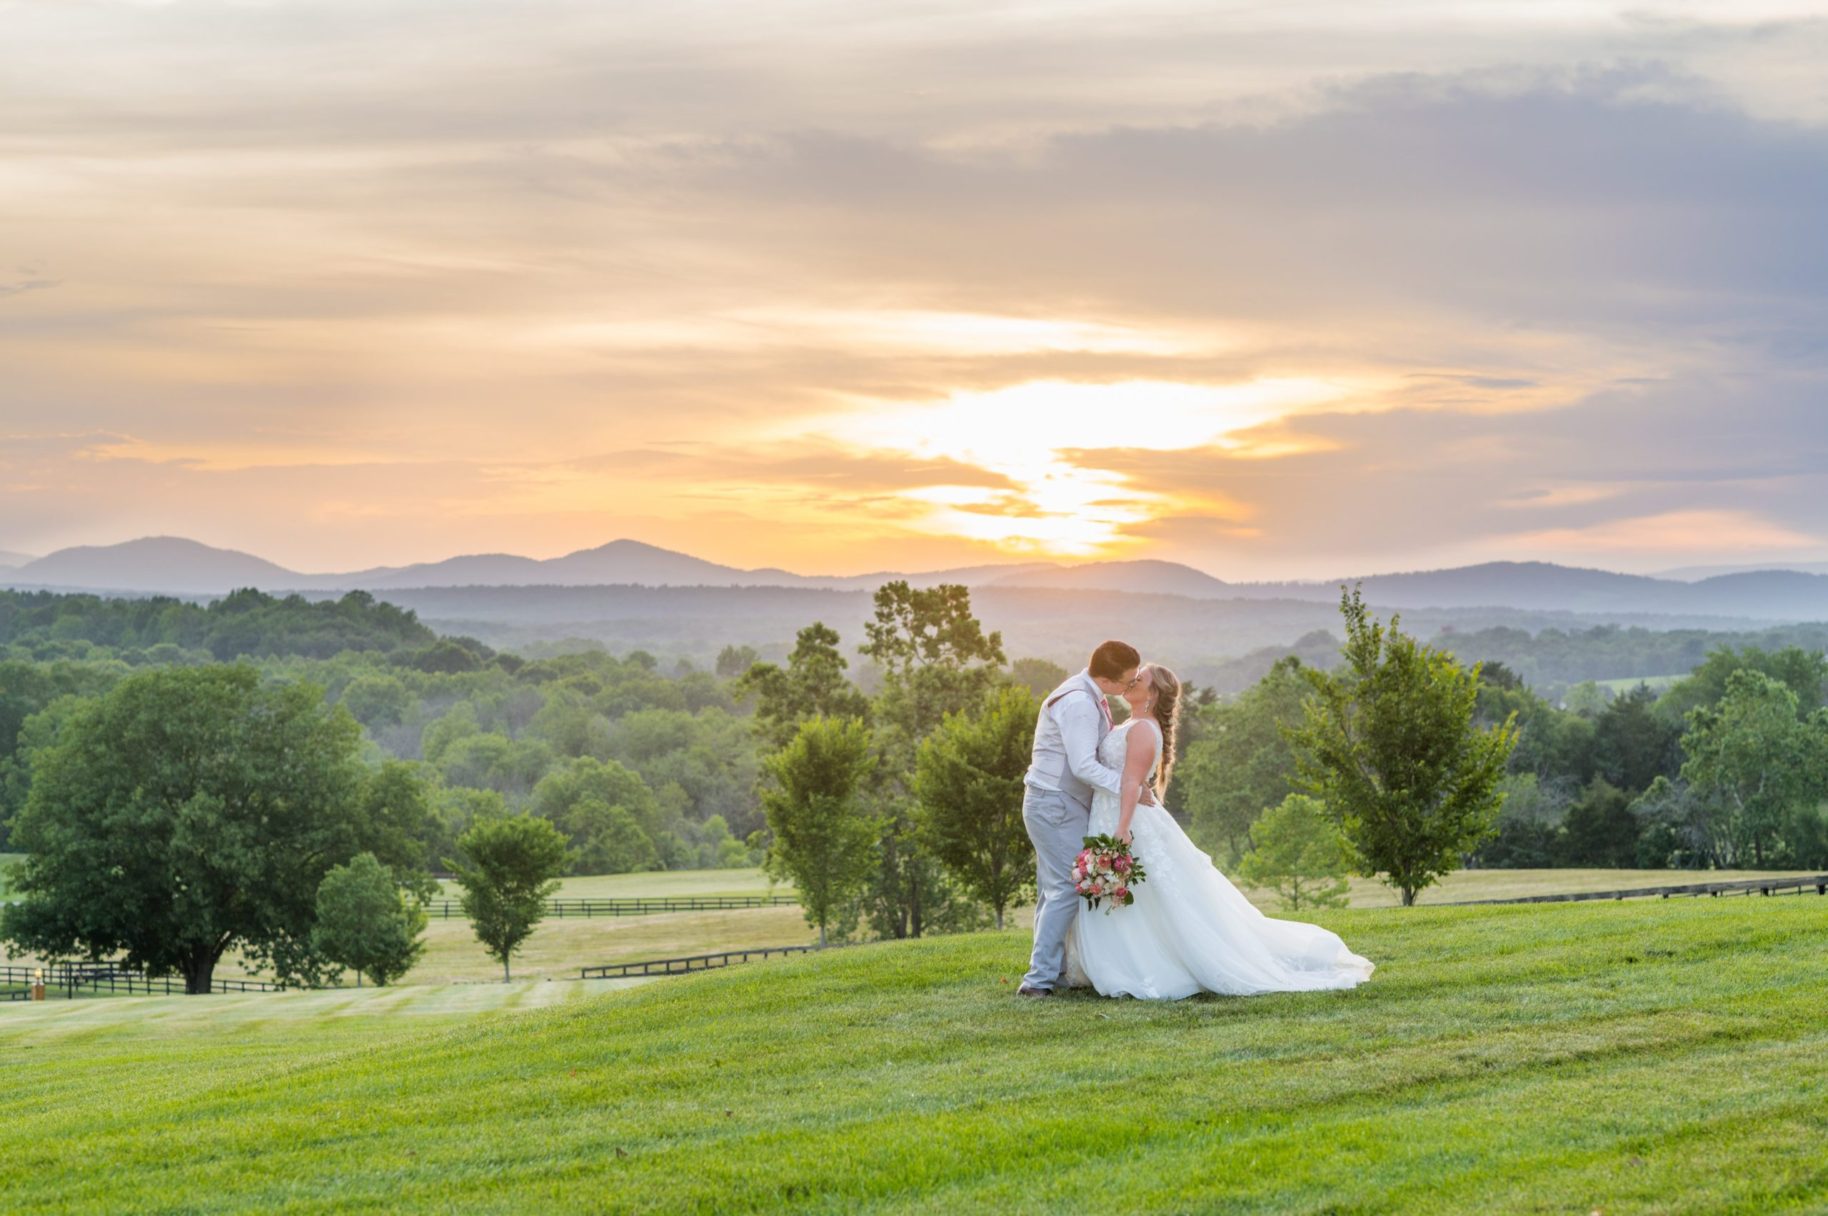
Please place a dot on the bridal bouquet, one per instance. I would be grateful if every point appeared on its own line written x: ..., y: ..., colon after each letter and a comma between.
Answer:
x: 1106, y: 869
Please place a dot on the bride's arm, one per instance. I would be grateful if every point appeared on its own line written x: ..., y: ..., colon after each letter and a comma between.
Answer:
x: 1138, y: 759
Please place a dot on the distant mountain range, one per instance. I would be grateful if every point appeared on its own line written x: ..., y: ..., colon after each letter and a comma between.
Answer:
x: 171, y: 565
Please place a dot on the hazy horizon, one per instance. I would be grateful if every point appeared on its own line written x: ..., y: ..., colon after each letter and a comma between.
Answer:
x: 1292, y: 291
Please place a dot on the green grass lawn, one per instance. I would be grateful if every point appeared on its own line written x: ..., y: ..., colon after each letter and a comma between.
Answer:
x: 1640, y: 1057
x: 558, y: 947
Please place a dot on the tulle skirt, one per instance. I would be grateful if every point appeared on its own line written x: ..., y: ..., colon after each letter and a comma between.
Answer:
x: 1190, y: 930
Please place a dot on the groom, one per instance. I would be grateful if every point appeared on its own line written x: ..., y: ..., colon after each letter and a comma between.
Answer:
x: 1057, y: 800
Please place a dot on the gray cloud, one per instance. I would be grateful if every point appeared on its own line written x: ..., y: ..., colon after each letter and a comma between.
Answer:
x: 415, y: 227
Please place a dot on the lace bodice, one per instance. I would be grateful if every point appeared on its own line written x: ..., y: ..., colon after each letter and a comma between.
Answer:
x: 1114, y: 748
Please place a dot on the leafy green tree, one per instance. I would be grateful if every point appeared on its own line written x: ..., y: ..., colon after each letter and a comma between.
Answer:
x: 493, y: 761
x: 395, y: 806
x: 812, y: 685
x: 824, y: 840
x: 441, y: 733
x: 366, y: 923
x: 733, y: 661
x: 1635, y: 742
x: 377, y: 700
x: 1552, y: 743
x: 1297, y: 852
x: 454, y: 809
x: 1803, y: 672
x: 1753, y: 753
x: 609, y: 815
x: 607, y: 839
x: 968, y: 779
x: 1680, y: 828
x: 245, y: 622
x: 1529, y: 823
x: 935, y: 660
x: 508, y: 868
x: 711, y: 756
x: 719, y: 849
x: 935, y: 657
x: 1240, y: 761
x: 1600, y: 829
x: 571, y: 724
x: 191, y: 811
x: 1390, y: 745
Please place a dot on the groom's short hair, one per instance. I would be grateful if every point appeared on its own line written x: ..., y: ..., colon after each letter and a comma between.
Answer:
x: 1112, y: 659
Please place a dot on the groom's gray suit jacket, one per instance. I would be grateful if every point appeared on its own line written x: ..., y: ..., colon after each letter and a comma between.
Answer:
x: 1067, y: 734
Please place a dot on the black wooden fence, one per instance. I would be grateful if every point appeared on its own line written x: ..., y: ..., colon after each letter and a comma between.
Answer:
x: 695, y: 962
x: 445, y: 909
x: 69, y: 980
x: 1803, y: 885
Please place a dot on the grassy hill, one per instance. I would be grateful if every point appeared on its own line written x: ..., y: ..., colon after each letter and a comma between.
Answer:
x: 1648, y: 1057
x: 560, y: 946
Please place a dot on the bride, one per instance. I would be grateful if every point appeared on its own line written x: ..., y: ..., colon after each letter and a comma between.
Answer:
x: 1189, y: 930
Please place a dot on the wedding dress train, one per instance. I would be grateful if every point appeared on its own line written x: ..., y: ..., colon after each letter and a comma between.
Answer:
x: 1190, y: 930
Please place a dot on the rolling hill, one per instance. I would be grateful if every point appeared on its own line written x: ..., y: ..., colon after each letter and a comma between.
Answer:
x: 1665, y: 1057
x: 155, y: 564
x: 174, y: 566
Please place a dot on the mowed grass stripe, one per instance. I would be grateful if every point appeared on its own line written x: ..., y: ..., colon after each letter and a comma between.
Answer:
x: 1503, y: 1059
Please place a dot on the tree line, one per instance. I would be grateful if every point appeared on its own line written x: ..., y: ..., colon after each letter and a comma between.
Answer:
x: 892, y: 802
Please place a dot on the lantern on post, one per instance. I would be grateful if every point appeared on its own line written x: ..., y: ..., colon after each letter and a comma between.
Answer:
x: 38, y: 985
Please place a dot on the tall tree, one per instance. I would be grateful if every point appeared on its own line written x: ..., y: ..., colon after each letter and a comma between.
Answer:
x: 192, y: 811
x: 507, y: 870
x: 1635, y: 742
x: 812, y: 685
x: 824, y: 839
x: 1752, y: 752
x: 968, y: 778
x: 366, y: 923
x: 935, y: 660
x: 1390, y: 745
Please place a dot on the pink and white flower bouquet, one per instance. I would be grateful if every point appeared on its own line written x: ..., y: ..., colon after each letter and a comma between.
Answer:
x: 1106, y: 869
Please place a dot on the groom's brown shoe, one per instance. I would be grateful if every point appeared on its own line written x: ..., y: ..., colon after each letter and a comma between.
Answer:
x: 1027, y: 991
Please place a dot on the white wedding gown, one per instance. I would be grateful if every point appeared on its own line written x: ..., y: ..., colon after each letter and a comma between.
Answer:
x: 1190, y: 930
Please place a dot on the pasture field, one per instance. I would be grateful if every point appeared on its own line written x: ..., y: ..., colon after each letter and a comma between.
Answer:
x: 1656, y: 683
x: 1511, y: 884
x: 1649, y: 1057
x: 654, y: 884
x: 558, y: 947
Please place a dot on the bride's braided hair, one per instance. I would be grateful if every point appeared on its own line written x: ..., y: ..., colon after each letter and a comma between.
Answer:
x: 1167, y: 710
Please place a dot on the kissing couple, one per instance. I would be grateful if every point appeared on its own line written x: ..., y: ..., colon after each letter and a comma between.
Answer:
x: 1189, y: 929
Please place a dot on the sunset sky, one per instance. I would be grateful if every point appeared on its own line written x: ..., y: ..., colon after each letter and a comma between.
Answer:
x: 1294, y: 289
